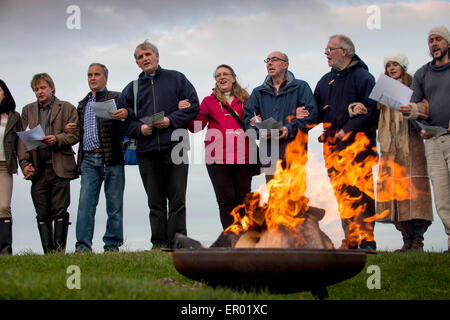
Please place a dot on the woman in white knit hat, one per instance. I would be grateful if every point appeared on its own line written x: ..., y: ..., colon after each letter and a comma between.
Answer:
x: 400, y: 141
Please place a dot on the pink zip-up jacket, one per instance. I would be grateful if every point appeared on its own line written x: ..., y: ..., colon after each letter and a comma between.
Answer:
x: 225, y: 140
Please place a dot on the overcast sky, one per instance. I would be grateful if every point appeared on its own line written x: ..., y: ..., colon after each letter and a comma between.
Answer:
x: 194, y: 37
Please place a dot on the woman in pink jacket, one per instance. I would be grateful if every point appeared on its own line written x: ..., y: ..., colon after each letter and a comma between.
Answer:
x: 226, y: 146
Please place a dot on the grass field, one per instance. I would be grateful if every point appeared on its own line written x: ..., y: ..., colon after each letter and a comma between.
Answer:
x: 151, y: 275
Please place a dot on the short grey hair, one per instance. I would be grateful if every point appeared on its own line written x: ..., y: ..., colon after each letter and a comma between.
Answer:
x: 285, y: 56
x: 145, y: 46
x: 345, y: 43
x: 104, y: 68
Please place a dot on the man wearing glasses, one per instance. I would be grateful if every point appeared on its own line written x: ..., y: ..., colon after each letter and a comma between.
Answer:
x: 348, y: 84
x: 278, y: 97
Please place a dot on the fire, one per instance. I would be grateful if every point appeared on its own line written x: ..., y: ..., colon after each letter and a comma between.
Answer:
x: 281, y: 207
x: 353, y: 180
x: 285, y: 204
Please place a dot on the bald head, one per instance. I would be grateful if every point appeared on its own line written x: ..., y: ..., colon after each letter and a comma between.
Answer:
x: 277, y: 64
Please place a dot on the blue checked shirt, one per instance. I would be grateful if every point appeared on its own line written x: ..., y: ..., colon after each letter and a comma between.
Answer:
x: 90, y: 137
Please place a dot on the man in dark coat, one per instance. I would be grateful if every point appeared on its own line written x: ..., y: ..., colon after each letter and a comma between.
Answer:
x: 161, y: 157
x: 349, y: 83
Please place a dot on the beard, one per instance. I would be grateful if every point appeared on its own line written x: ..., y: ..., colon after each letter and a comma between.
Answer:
x: 442, y: 56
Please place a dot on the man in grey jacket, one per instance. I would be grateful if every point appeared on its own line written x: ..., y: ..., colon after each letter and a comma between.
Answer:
x: 432, y: 83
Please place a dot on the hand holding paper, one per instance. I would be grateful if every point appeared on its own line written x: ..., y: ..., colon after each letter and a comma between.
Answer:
x: 270, y: 123
x: 150, y: 120
x: 32, y: 138
x: 391, y: 92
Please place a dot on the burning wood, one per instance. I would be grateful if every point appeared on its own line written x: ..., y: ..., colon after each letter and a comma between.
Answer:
x: 306, y: 235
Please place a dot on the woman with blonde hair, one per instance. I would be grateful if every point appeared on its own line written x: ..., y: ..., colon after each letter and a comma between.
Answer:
x: 401, y: 142
x: 226, y: 145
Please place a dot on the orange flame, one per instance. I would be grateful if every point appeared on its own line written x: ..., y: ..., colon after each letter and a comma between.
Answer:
x: 285, y: 205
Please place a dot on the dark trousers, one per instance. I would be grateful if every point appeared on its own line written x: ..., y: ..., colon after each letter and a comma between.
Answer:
x: 231, y: 182
x: 165, y: 184
x: 50, y: 195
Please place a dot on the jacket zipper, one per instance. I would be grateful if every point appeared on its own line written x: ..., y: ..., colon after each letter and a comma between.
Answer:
x: 154, y: 112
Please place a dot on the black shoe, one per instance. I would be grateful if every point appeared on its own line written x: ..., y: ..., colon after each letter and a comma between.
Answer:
x: 368, y: 245
x: 111, y: 249
x: 6, y: 236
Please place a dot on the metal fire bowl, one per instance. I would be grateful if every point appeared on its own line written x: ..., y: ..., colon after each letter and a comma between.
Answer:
x: 278, y: 270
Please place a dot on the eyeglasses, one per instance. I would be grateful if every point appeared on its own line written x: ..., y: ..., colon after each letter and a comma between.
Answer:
x: 224, y: 74
x: 328, y: 49
x: 274, y: 59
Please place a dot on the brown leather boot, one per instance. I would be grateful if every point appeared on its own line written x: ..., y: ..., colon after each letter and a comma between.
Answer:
x: 419, y: 228
x: 407, y: 236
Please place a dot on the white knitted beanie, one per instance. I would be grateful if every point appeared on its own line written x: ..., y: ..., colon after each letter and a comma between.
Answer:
x: 440, y: 31
x: 398, y: 57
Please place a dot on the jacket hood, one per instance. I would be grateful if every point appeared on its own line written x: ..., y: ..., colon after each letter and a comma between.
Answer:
x: 354, y: 64
x: 9, y: 103
x: 288, y: 77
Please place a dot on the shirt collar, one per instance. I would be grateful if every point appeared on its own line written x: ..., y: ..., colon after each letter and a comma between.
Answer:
x: 49, y: 105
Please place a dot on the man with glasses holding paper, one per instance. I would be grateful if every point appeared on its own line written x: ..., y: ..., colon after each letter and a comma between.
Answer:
x: 100, y: 158
x: 160, y: 127
x: 51, y: 166
x: 278, y: 98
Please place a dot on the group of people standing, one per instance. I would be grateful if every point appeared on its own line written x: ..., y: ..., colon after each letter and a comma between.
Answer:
x: 340, y: 101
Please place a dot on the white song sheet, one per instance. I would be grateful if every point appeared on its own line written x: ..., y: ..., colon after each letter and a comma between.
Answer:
x: 32, y: 138
x: 104, y: 109
x: 391, y: 92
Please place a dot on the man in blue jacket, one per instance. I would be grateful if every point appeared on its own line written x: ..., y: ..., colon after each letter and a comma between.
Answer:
x: 279, y: 97
x: 163, y: 176
x: 349, y: 84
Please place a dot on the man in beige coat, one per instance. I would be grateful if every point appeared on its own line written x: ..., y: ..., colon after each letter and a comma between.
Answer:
x: 51, y: 166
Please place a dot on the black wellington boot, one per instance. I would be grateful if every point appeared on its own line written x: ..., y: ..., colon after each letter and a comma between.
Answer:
x: 61, y: 231
x: 46, y: 233
x: 6, y: 236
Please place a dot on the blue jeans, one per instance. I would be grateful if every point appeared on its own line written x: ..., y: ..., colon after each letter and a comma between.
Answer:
x: 93, y: 172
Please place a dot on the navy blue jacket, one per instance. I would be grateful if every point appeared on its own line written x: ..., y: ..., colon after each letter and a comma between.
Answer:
x: 282, y: 107
x: 336, y: 90
x: 155, y: 94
